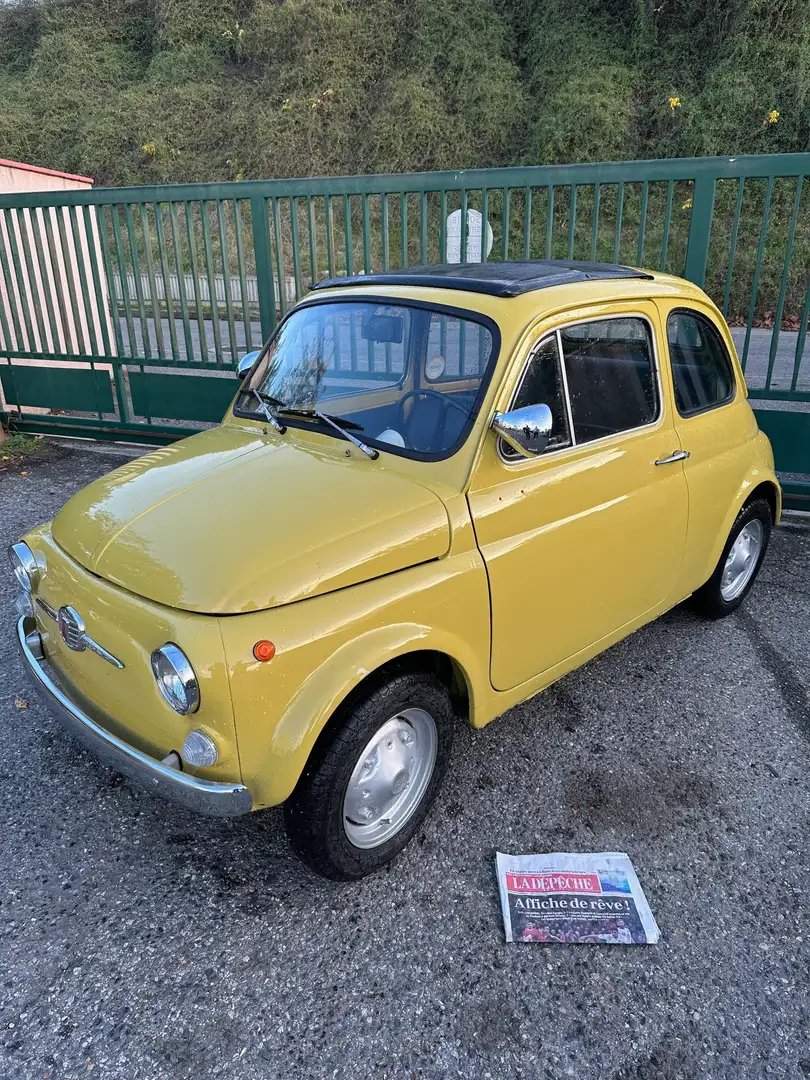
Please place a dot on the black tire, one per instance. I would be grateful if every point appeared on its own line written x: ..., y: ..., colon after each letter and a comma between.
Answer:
x: 708, y: 600
x: 313, y: 815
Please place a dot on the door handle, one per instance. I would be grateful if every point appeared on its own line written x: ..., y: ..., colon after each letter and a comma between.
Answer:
x: 679, y: 455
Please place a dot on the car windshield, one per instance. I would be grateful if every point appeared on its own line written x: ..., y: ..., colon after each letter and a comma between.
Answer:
x: 405, y: 378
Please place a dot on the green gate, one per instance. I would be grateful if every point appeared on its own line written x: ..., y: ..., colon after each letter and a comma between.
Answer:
x: 124, y: 310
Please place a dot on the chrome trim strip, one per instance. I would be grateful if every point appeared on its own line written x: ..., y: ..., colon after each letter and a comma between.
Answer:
x: 190, y: 792
x: 86, y: 642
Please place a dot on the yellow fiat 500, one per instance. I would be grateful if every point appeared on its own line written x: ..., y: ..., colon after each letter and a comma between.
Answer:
x: 300, y: 605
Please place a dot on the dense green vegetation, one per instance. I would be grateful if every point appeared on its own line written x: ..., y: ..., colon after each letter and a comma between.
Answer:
x: 141, y: 91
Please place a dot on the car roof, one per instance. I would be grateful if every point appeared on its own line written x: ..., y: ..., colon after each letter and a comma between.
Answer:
x: 511, y: 278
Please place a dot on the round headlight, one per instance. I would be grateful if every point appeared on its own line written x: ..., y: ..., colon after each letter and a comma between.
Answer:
x: 175, y: 678
x: 25, y: 567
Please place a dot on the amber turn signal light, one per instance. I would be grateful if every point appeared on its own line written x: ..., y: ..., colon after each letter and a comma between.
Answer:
x: 264, y: 650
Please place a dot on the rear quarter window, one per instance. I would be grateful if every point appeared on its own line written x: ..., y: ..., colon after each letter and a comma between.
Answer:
x: 702, y: 374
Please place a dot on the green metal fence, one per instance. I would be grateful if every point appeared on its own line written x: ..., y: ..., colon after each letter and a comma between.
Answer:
x: 123, y: 311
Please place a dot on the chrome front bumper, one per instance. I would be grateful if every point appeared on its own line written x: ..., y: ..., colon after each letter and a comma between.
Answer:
x: 190, y: 792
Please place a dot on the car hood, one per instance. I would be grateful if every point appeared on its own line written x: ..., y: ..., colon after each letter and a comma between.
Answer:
x: 228, y: 521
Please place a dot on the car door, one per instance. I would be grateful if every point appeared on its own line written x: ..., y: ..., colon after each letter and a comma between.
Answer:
x: 713, y: 420
x: 588, y: 536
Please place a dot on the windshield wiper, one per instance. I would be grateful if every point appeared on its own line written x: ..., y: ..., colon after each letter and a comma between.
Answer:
x: 265, y: 403
x: 312, y: 414
x: 342, y: 427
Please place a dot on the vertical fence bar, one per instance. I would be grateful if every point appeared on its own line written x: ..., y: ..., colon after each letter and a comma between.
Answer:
x: 403, y: 227
x: 700, y: 230
x: 505, y: 235
x: 780, y: 303
x: 38, y: 214
x: 25, y: 244
x: 572, y: 220
x: 95, y: 273
x: 167, y: 279
x: 645, y: 192
x: 597, y: 188
x: 464, y: 237
x: 443, y: 227
x: 202, y: 333
x: 212, y: 282
x: 366, y: 235
x: 124, y: 412
x: 281, y: 268
x: 240, y: 262
x: 766, y: 211
x: 527, y: 222
x: 104, y: 241
x: 662, y: 264
x: 802, y: 335
x: 617, y: 236
x: 150, y: 273
x: 174, y: 222
x: 70, y: 275
x: 313, y: 247
x: 386, y: 260
x: 549, y: 220
x: 423, y: 227
x: 295, y: 243
x: 92, y: 336
x: 732, y: 249
x: 18, y: 277
x: 49, y: 214
x: 484, y: 224
x: 222, y: 237
x: 260, y: 226
x: 330, y: 256
x: 136, y: 273
x: 4, y: 266
x: 347, y: 234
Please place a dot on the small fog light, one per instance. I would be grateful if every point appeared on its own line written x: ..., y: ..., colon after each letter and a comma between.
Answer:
x: 199, y: 749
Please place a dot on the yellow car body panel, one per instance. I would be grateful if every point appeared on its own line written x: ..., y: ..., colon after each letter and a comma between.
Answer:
x: 515, y: 572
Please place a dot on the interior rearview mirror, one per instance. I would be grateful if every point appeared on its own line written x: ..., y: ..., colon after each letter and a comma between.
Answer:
x: 526, y: 430
x: 247, y: 363
x: 381, y: 328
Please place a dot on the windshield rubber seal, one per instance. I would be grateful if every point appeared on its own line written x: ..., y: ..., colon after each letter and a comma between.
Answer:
x: 392, y: 301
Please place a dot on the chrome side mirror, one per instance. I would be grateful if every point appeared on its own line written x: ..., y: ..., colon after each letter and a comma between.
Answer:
x: 247, y: 363
x: 526, y: 430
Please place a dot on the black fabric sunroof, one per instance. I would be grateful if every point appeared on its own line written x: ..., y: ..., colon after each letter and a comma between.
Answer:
x: 497, y: 279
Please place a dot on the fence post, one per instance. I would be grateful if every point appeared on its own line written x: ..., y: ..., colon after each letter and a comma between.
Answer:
x: 700, y: 228
x: 260, y: 225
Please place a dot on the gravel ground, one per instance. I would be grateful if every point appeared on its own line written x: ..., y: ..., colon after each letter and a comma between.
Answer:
x: 139, y: 942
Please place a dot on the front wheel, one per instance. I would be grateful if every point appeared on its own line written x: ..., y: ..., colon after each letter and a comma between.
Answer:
x: 739, y: 564
x: 369, y: 786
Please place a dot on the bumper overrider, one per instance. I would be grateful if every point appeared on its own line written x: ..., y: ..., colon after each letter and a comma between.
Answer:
x: 193, y: 793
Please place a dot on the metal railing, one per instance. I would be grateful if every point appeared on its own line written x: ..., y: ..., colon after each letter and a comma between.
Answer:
x: 83, y: 273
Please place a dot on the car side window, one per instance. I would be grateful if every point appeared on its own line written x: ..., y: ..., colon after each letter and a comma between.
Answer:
x: 610, y: 370
x: 542, y: 384
x: 701, y: 367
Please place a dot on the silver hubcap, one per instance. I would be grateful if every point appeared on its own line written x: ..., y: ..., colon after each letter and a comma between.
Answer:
x: 741, y: 561
x: 390, y: 778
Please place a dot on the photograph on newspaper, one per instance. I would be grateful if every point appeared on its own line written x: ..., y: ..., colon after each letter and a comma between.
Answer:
x: 563, y: 897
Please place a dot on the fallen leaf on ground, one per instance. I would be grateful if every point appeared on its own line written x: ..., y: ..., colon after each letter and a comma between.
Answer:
x: 20, y: 703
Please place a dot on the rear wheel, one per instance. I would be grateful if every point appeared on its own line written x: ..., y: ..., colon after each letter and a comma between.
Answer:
x: 368, y: 787
x: 739, y: 564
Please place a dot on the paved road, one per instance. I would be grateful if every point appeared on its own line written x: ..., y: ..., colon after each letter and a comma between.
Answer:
x: 140, y: 943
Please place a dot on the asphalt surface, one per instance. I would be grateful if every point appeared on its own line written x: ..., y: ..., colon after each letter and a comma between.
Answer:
x: 141, y: 943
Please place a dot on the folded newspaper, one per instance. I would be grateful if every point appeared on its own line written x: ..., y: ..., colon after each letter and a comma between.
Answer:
x: 562, y: 897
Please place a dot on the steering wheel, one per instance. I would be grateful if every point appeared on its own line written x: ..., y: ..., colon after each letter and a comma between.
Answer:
x: 446, y: 400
